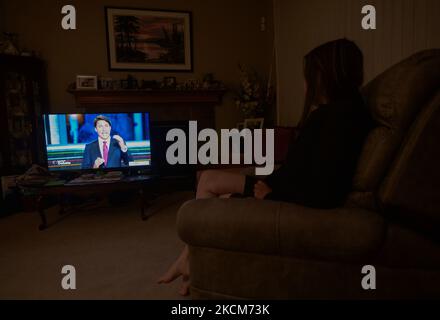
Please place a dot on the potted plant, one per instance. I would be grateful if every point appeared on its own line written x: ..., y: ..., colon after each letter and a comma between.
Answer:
x: 254, y: 96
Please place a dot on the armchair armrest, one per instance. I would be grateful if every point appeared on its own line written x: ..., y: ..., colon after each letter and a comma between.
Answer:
x: 279, y: 228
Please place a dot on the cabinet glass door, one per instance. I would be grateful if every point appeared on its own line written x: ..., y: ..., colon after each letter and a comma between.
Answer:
x: 19, y: 118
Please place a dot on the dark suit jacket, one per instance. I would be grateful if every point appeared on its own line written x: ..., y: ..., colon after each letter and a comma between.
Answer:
x: 116, y: 158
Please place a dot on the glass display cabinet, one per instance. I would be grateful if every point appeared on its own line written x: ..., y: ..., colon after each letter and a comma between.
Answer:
x: 23, y: 97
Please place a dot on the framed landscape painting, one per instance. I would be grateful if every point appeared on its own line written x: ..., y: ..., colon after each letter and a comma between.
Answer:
x: 139, y: 39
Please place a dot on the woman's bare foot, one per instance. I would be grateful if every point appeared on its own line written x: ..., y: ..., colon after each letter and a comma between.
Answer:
x: 184, y: 289
x: 172, y: 273
x: 179, y: 268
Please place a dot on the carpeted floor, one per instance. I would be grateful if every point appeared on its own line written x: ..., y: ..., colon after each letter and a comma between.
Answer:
x: 115, y: 253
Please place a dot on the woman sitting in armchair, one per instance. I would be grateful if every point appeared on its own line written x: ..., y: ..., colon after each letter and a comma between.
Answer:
x: 321, y: 161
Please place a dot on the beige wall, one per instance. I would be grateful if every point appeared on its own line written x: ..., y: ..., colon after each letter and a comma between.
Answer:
x: 403, y: 27
x: 225, y: 32
x: 2, y: 14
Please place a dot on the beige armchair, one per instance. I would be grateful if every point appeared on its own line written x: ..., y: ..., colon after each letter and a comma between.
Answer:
x: 257, y: 249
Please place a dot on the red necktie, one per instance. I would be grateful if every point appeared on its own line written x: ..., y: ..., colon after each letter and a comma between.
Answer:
x: 105, y: 151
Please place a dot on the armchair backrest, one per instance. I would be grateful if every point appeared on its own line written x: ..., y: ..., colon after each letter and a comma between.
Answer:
x: 396, y: 98
x: 410, y: 192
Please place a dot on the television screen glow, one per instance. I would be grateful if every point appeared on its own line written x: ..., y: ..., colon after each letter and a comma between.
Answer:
x: 76, y: 141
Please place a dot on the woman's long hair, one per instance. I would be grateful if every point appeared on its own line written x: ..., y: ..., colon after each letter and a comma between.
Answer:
x: 333, y: 71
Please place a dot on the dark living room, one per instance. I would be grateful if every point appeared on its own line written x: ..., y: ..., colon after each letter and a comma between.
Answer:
x: 188, y: 150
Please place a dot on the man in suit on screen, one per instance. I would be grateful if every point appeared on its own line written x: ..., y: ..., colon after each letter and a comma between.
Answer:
x: 106, y: 151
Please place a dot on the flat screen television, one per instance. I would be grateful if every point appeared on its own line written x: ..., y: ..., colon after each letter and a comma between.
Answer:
x: 91, y: 141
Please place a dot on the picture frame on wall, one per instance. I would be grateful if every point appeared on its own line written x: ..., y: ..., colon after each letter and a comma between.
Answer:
x: 84, y: 82
x: 149, y: 40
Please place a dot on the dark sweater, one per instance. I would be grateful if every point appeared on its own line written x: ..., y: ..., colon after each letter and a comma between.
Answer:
x: 320, y: 164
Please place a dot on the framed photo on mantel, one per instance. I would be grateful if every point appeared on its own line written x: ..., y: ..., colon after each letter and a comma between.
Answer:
x: 148, y: 40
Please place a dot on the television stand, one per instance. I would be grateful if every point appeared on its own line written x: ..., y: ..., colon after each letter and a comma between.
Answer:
x: 142, y: 185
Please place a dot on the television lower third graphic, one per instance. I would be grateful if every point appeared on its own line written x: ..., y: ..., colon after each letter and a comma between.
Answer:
x: 70, y: 156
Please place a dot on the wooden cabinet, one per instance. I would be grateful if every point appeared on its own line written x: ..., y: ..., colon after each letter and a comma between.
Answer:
x: 23, y: 97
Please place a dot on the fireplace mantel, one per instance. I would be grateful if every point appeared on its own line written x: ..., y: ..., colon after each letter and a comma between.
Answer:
x: 106, y: 98
x: 163, y: 105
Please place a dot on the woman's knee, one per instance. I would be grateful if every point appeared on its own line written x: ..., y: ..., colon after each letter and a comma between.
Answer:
x: 208, y: 179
